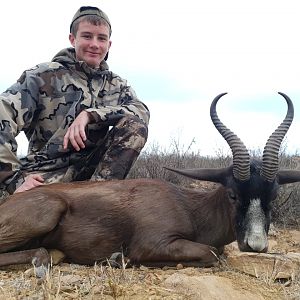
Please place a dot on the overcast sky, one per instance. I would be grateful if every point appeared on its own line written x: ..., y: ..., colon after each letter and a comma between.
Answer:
x: 178, y: 55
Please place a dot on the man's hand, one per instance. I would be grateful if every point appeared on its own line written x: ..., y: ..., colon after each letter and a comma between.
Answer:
x: 76, y: 132
x: 31, y: 181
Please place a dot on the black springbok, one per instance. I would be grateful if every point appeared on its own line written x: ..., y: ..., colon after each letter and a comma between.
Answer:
x: 152, y: 222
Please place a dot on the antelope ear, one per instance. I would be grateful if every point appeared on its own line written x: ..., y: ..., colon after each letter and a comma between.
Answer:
x: 288, y: 176
x: 214, y: 175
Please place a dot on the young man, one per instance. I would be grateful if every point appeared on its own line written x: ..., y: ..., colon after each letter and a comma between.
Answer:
x: 82, y: 120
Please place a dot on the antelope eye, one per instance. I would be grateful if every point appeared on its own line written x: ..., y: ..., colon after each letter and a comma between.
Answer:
x: 232, y: 195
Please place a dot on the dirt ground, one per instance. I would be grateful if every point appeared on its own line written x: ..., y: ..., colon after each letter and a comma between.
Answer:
x: 69, y: 281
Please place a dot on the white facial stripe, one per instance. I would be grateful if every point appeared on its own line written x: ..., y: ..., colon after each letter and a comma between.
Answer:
x: 255, y: 215
x: 256, y: 236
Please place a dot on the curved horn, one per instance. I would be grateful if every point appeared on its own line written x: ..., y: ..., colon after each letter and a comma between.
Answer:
x: 270, y: 155
x: 241, y: 157
x: 214, y: 175
x: 288, y: 176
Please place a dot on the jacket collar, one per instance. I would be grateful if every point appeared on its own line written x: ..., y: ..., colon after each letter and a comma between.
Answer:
x: 67, y: 57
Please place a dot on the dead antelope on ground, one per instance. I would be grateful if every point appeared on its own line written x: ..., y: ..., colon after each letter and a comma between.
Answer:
x: 153, y: 222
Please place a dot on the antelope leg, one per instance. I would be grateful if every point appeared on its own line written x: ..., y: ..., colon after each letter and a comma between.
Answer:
x: 185, y: 252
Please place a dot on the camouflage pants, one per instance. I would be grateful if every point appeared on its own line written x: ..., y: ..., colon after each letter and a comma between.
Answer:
x: 111, y: 159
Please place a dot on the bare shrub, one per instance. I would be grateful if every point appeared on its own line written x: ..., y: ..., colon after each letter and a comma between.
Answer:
x: 151, y: 162
x: 286, y: 208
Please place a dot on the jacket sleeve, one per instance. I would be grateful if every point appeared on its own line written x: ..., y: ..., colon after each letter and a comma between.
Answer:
x: 17, y: 106
x: 127, y: 104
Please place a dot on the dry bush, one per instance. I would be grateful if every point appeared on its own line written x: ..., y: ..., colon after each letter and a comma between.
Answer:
x: 152, y: 161
x: 286, y: 208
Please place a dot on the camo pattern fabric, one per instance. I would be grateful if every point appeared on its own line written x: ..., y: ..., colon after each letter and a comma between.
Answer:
x: 45, y: 101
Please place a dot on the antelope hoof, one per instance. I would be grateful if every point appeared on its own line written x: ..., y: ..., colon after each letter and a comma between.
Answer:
x: 213, y: 260
x: 41, y: 271
x: 116, y: 260
x: 41, y: 261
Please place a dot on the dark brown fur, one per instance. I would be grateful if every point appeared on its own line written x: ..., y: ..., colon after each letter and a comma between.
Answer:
x: 153, y: 222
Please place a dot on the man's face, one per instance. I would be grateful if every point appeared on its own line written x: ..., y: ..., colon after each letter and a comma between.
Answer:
x: 91, y: 43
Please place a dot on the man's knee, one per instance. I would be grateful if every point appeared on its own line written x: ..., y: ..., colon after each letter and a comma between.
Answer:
x: 132, y: 132
x: 133, y: 123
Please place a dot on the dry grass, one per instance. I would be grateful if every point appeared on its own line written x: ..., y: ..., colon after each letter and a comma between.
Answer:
x: 70, y: 281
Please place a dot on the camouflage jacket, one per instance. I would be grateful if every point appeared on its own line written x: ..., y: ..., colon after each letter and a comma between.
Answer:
x: 45, y: 101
